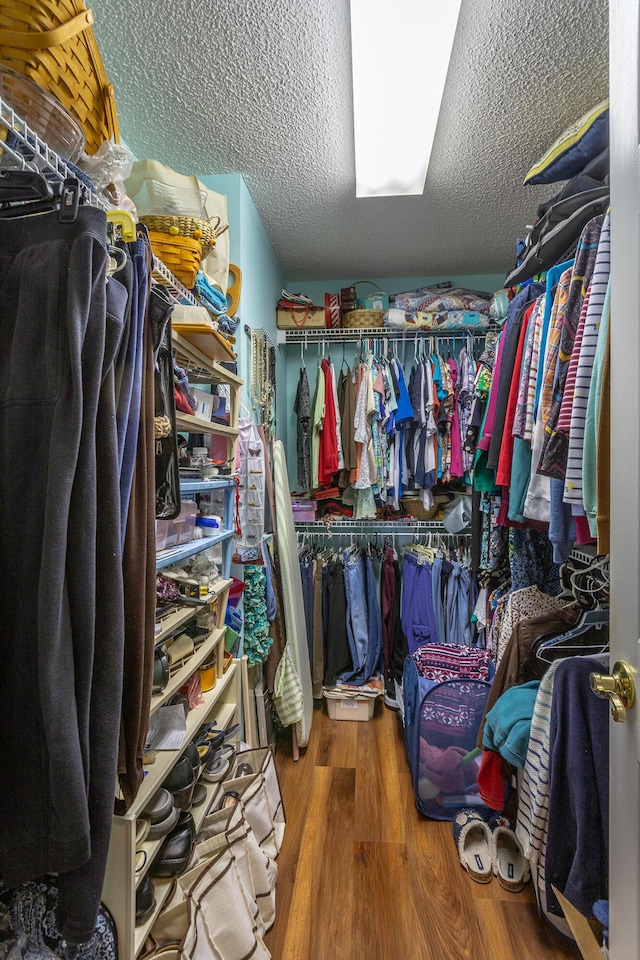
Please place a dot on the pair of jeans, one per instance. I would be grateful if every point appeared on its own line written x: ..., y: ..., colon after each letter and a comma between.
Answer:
x: 62, y: 625
x: 436, y: 600
x: 357, y: 626
x: 459, y: 629
x: 418, y: 619
x: 374, y: 661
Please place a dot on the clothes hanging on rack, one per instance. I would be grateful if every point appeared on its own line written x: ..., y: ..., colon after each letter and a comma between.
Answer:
x: 63, y: 607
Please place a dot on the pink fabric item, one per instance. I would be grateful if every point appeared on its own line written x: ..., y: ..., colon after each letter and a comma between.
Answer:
x: 457, y: 464
x: 564, y: 417
x: 444, y: 768
x: 583, y: 533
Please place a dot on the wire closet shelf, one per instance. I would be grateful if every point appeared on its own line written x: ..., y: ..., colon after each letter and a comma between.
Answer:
x: 39, y: 157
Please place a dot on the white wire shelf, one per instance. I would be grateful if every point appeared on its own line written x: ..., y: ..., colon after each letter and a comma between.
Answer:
x: 409, y: 527
x: 40, y: 157
x: 355, y: 335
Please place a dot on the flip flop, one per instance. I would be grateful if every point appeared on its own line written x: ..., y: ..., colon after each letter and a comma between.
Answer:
x: 473, y: 839
x: 508, y: 860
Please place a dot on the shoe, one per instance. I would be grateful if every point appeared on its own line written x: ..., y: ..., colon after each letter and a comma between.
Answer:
x: 161, y: 814
x: 175, y: 853
x: 143, y: 825
x: 181, y: 783
x: 199, y: 795
x: 145, y: 900
x: 509, y: 863
x: 244, y: 770
x: 192, y: 754
x: 216, y: 767
x: 473, y: 839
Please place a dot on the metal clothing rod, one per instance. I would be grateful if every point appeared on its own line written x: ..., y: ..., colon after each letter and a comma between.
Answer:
x: 346, y: 335
x: 380, y: 527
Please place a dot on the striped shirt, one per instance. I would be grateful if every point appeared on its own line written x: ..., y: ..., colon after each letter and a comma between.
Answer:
x: 533, y: 796
x: 573, y: 482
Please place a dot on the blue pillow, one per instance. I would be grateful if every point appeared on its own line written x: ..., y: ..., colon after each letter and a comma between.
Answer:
x: 572, y: 151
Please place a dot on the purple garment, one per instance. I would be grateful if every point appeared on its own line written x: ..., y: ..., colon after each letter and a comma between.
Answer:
x: 457, y: 466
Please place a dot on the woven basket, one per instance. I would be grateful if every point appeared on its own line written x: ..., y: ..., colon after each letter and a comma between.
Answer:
x: 51, y: 41
x: 205, y: 231
x: 182, y: 255
x: 363, y: 318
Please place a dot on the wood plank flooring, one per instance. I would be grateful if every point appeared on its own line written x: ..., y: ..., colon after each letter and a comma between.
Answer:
x: 363, y: 876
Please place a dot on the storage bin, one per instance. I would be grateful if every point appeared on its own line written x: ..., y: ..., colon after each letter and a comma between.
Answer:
x: 162, y: 529
x: 204, y: 404
x: 181, y: 530
x: 293, y: 317
x: 351, y: 708
x: 304, y: 511
x: 210, y: 526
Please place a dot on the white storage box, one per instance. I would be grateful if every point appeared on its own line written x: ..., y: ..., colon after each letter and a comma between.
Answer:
x: 351, y: 708
x: 204, y: 404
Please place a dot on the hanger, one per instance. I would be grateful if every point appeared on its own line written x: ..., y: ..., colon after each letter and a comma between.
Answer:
x: 117, y: 260
x: 120, y: 223
x: 26, y: 192
x: 588, y: 618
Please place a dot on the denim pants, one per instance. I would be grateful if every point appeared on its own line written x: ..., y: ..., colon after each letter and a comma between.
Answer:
x: 374, y: 659
x: 418, y: 619
x: 357, y: 626
x: 436, y: 600
x: 62, y: 621
x: 459, y: 629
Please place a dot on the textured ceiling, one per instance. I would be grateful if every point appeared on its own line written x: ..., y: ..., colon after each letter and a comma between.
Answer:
x: 263, y: 89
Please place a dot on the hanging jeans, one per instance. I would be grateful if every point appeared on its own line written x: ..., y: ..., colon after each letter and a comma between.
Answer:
x: 357, y: 627
x: 459, y: 629
x: 436, y: 600
x: 418, y: 619
x: 373, y: 661
x: 62, y: 623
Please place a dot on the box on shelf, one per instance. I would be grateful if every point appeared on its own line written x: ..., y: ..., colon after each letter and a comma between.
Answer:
x: 204, y: 404
x: 304, y: 511
x: 350, y: 708
x: 162, y: 529
x: 294, y: 317
x: 182, y: 528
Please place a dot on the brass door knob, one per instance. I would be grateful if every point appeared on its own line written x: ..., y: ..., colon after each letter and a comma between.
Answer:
x: 618, y: 687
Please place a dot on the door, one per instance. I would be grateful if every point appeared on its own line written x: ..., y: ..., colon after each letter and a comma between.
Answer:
x: 624, y: 847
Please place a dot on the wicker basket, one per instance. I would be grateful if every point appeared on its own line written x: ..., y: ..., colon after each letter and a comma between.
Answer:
x: 363, y: 318
x: 52, y: 43
x: 205, y: 231
x: 182, y: 255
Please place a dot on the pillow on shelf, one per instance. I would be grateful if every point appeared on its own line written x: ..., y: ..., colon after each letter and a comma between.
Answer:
x: 574, y: 149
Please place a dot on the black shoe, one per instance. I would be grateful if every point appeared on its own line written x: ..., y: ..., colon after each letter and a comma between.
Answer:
x: 174, y: 855
x: 145, y: 900
x: 180, y: 783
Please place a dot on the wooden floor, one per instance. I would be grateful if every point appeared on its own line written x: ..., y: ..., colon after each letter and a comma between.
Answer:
x: 363, y: 876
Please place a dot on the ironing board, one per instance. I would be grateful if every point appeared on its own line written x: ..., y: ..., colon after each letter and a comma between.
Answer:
x: 294, y: 618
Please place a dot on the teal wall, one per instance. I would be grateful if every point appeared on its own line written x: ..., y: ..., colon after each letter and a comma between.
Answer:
x: 262, y: 276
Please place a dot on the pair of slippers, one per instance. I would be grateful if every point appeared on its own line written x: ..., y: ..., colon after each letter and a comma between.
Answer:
x: 490, y: 849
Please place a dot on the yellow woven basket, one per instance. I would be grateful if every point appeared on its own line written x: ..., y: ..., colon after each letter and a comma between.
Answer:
x: 182, y: 255
x: 51, y: 41
x: 205, y: 231
x: 363, y: 318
